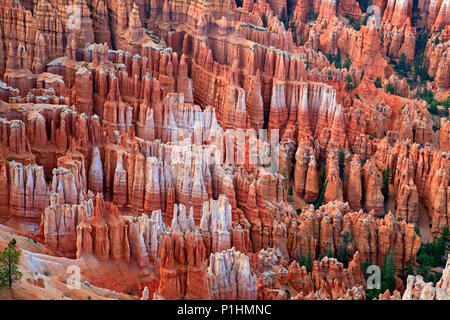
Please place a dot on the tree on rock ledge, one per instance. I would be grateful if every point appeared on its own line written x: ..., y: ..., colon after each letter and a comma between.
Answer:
x: 9, y: 260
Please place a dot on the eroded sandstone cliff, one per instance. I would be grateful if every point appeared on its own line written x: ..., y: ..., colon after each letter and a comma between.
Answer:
x: 207, y: 148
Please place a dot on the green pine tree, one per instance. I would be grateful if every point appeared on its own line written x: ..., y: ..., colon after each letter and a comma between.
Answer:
x: 288, y: 294
x: 349, y: 83
x: 347, y: 63
x: 364, y: 267
x: 284, y: 18
x: 387, y: 278
x: 341, y: 158
x: 330, y: 253
x: 377, y: 82
x: 402, y: 67
x: 9, y: 260
x: 343, y: 255
x: 390, y: 88
x: 319, y: 201
x: 308, y: 262
x: 264, y: 20
x: 337, y: 60
x: 388, y: 273
x: 410, y: 270
x: 386, y: 173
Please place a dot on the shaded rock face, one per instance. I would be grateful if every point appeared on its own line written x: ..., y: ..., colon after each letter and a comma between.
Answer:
x: 137, y: 132
x: 24, y: 191
x: 327, y: 280
x: 316, y: 232
x: 59, y: 224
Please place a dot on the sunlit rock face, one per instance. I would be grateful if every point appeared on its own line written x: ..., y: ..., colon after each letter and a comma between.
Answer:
x: 200, y: 149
